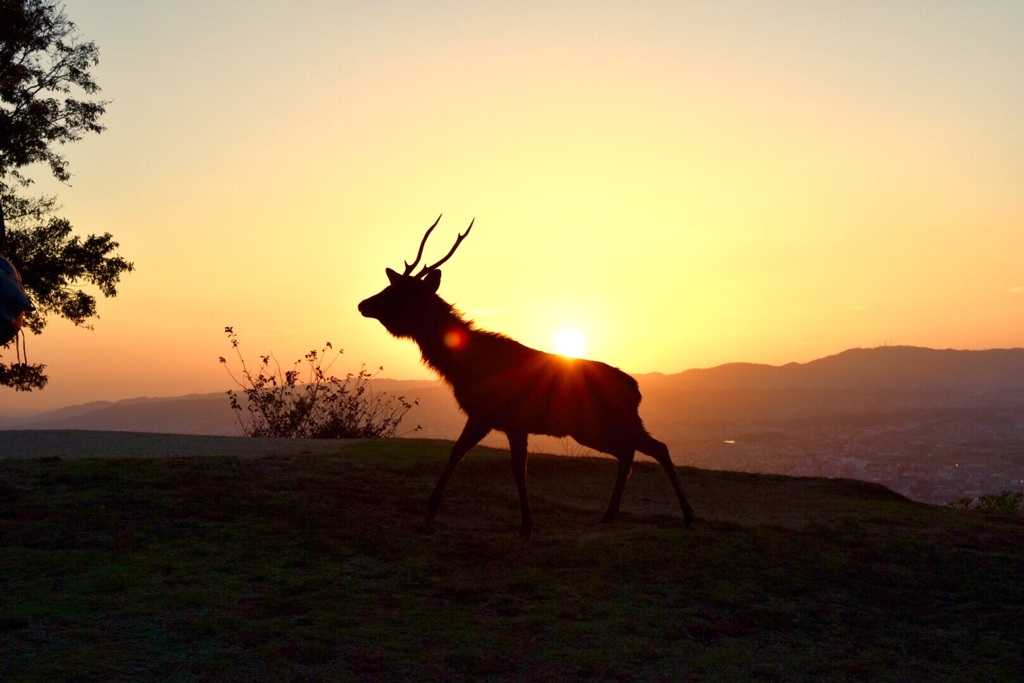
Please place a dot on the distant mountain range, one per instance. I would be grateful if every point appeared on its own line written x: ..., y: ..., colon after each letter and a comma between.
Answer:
x: 854, y: 382
x: 208, y: 414
x: 857, y: 381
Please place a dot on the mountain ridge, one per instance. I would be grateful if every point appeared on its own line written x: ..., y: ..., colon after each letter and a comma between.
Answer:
x: 852, y: 381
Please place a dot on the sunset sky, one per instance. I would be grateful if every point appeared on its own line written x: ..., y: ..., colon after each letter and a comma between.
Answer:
x: 684, y: 183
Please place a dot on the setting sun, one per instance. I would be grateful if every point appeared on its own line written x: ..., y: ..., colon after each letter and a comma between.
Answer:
x: 570, y: 342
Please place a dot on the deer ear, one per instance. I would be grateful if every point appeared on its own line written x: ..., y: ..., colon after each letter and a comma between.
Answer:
x: 393, y: 277
x: 433, y: 279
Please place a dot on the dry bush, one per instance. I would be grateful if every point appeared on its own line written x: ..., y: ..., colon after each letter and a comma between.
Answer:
x: 306, y: 402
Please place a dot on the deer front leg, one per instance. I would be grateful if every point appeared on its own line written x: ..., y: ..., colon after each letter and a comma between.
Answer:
x: 471, y: 435
x: 517, y: 446
x: 625, y: 469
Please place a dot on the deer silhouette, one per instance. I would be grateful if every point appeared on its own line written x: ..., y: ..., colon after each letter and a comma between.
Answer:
x: 503, y: 385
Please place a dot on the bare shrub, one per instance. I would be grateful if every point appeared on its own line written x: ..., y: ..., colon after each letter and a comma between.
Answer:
x: 306, y: 402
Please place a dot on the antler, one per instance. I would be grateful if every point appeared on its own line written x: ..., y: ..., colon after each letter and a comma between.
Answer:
x: 435, y: 266
x: 419, y: 254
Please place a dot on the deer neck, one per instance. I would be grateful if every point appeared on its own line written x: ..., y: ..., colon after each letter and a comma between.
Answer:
x: 444, y: 341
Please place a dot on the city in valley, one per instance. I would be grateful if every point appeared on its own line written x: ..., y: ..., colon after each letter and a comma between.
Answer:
x: 937, y: 457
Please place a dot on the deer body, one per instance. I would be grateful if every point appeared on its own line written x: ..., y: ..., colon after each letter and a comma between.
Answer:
x: 503, y: 385
x: 511, y: 387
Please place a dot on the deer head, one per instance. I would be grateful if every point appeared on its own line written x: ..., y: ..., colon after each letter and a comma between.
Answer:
x: 410, y: 300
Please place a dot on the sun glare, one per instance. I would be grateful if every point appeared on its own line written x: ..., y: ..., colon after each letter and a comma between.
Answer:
x: 570, y: 342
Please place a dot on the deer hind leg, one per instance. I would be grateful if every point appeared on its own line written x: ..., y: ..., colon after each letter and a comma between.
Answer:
x: 625, y: 459
x: 471, y: 435
x: 517, y: 446
x: 659, y: 452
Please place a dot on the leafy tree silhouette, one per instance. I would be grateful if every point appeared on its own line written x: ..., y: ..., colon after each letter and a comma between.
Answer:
x: 46, y: 101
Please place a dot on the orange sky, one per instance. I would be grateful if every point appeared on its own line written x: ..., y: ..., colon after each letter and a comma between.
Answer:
x: 687, y: 184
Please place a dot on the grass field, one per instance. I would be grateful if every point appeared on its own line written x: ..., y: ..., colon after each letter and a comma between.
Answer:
x: 320, y: 567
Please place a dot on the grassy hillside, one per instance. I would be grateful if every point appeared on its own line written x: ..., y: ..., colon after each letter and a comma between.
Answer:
x: 319, y: 567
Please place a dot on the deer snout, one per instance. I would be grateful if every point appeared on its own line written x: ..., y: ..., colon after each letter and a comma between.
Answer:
x: 372, y: 307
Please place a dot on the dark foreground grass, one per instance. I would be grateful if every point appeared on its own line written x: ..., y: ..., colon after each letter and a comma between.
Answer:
x: 320, y: 568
